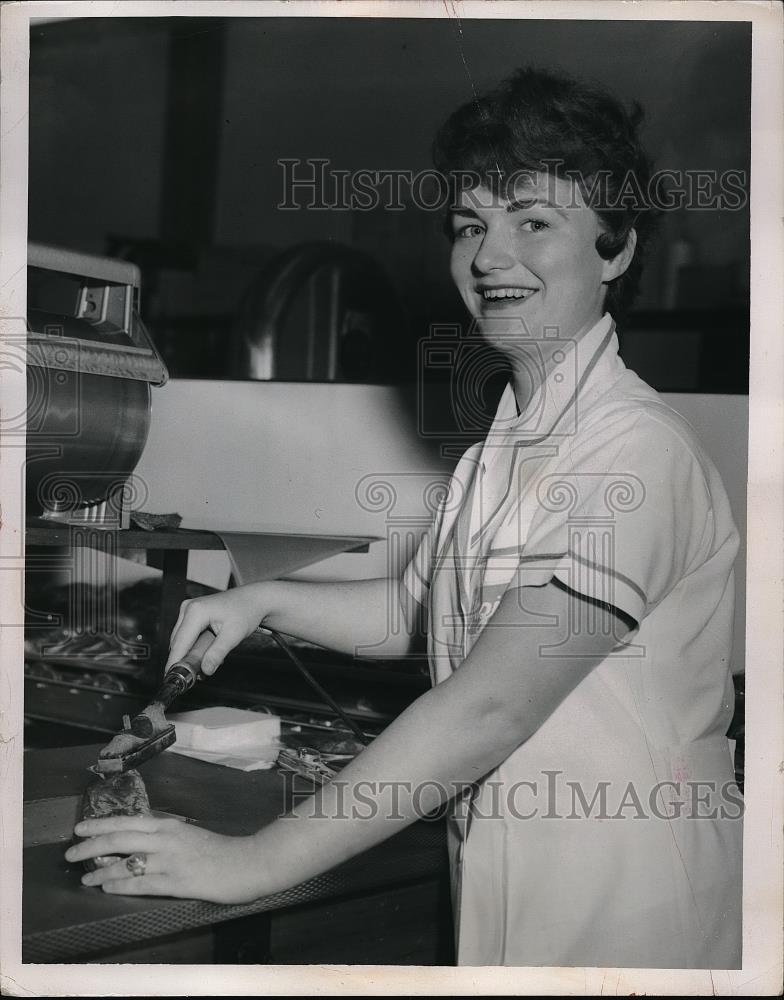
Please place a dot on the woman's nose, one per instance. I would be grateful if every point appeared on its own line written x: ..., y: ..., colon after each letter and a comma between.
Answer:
x: 494, y: 253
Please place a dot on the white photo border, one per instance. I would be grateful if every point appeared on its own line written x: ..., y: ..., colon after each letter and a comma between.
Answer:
x: 763, y: 913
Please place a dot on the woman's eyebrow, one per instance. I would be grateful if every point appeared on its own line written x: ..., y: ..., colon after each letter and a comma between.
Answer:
x: 516, y: 205
x: 460, y: 210
x: 523, y: 204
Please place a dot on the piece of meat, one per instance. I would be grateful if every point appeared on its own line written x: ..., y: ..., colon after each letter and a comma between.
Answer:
x: 121, y: 794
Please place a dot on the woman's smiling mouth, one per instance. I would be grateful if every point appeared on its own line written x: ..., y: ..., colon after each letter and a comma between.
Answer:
x: 503, y: 294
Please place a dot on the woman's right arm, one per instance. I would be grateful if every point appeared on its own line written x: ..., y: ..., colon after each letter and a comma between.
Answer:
x: 357, y: 616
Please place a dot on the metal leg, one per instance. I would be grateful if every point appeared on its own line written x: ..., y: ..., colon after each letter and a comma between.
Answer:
x: 175, y: 573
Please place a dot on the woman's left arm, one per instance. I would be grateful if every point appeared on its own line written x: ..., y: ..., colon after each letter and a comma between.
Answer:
x: 450, y: 737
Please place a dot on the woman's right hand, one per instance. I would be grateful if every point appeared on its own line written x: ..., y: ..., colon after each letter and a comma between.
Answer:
x: 232, y: 616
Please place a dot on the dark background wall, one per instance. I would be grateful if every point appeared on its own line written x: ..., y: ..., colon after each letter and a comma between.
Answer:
x: 157, y: 139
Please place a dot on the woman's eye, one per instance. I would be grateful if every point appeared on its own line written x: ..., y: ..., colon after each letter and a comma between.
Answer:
x: 534, y: 226
x: 468, y: 231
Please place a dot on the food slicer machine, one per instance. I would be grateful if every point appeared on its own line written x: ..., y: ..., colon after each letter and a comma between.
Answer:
x: 90, y: 368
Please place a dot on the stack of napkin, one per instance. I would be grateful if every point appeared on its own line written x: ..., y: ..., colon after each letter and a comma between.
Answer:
x: 233, y: 737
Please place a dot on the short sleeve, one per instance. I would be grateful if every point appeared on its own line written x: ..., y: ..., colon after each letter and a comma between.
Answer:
x: 623, y: 518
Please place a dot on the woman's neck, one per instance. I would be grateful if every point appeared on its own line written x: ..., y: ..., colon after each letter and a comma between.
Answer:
x: 534, y: 361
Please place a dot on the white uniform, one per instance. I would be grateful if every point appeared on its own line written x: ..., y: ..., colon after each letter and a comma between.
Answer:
x: 594, y: 843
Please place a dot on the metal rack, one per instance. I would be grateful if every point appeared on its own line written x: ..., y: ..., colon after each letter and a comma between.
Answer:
x: 92, y: 691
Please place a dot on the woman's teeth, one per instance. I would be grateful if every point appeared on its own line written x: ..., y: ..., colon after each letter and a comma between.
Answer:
x: 489, y: 294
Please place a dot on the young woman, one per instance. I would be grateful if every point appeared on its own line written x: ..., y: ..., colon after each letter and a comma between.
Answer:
x: 577, y: 591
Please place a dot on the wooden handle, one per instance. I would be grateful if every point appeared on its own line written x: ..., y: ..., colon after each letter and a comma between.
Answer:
x: 194, y: 657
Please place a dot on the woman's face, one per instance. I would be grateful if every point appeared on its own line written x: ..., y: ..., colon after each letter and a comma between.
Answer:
x: 528, y: 266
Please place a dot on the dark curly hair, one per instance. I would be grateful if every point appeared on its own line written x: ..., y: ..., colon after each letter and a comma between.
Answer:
x: 539, y: 120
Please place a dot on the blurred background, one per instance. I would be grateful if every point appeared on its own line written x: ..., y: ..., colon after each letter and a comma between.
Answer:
x: 158, y: 140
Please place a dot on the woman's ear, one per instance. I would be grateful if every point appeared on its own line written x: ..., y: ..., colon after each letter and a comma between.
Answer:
x: 615, y: 266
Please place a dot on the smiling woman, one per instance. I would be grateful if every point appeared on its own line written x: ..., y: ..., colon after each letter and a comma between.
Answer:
x: 529, y: 267
x: 576, y: 589
x: 578, y: 149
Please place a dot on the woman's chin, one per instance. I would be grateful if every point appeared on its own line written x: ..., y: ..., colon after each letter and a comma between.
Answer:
x: 510, y: 329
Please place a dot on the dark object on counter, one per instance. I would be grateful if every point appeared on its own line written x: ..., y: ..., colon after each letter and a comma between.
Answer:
x: 155, y: 522
x: 121, y: 794
x: 149, y: 733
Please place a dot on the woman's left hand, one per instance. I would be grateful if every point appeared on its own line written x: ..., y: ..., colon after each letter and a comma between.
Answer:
x: 177, y: 859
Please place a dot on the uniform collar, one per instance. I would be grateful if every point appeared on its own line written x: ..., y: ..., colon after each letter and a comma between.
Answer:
x: 553, y: 401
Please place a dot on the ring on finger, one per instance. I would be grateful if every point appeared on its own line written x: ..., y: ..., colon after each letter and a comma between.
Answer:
x: 136, y: 864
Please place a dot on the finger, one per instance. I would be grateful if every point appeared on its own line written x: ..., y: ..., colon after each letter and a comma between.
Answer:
x: 112, y: 843
x: 225, y: 640
x: 116, y: 871
x: 116, y: 824
x: 144, y: 885
x: 195, y: 620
